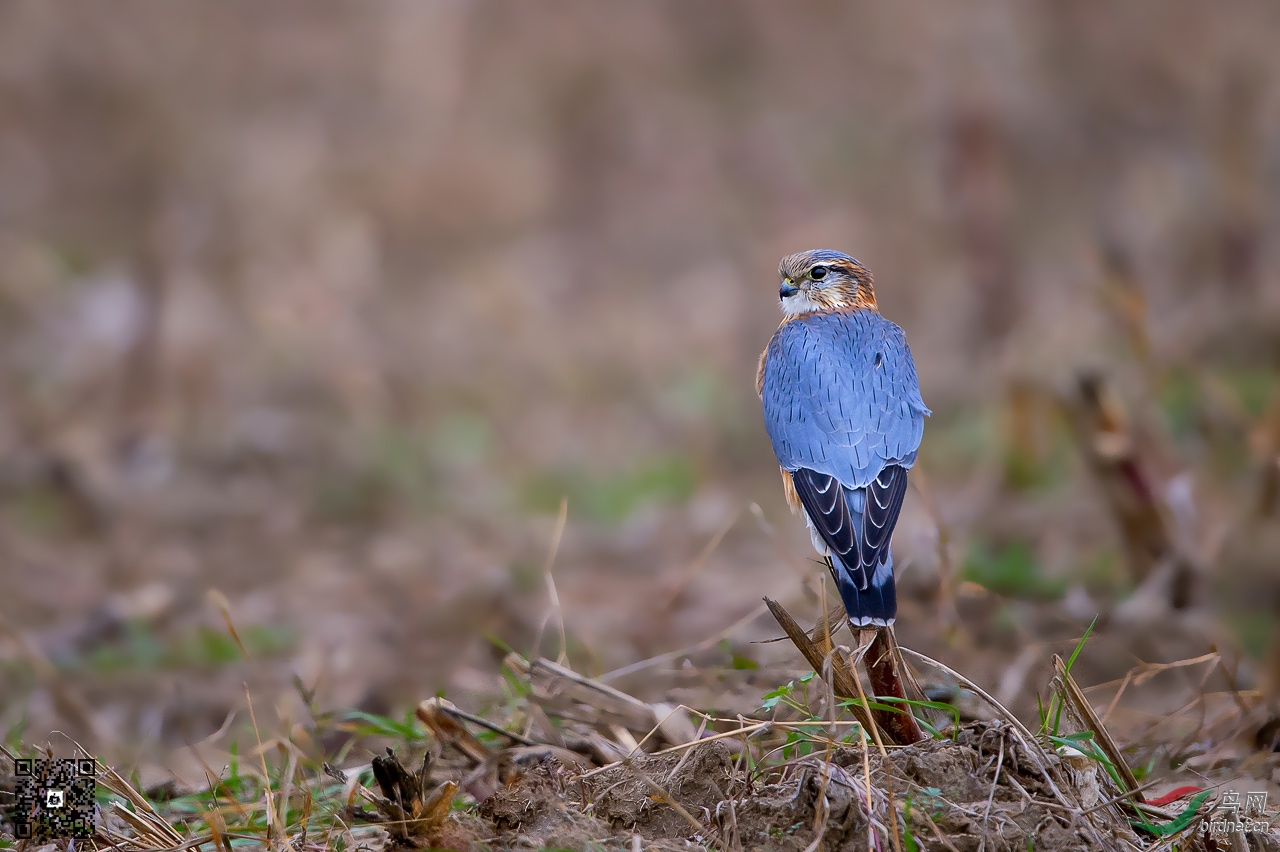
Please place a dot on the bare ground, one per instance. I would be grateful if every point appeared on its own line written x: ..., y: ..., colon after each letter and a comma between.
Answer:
x: 982, y: 790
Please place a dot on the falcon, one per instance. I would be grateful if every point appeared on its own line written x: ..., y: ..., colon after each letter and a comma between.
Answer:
x: 843, y: 410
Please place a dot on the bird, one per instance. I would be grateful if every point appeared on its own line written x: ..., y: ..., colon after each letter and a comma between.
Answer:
x: 843, y: 411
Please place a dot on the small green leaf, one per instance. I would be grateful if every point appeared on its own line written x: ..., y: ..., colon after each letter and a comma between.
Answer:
x: 771, y: 699
x: 1076, y: 737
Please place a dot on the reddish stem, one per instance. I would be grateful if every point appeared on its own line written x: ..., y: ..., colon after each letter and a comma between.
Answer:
x: 882, y: 671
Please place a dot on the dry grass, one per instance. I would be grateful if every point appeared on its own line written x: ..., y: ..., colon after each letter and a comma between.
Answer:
x: 592, y: 764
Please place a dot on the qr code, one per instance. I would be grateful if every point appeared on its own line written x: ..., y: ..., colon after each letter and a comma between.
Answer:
x: 54, y: 798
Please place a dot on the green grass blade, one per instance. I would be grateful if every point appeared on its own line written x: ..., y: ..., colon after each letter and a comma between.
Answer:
x: 1179, y: 823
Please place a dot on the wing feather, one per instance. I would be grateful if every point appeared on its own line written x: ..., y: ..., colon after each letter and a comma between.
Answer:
x: 880, y: 513
x: 858, y: 540
x: 824, y: 502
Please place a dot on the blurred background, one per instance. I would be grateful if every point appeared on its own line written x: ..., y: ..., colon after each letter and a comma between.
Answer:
x: 312, y: 315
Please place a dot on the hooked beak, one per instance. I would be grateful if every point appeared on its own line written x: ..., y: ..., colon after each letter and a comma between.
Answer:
x: 787, y: 289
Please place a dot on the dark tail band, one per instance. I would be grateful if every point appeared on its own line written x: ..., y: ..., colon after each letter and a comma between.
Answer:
x: 874, y: 606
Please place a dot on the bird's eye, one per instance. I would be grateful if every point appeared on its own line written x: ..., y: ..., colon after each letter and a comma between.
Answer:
x: 818, y: 273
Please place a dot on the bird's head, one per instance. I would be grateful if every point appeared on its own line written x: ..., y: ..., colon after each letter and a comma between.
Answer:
x: 824, y: 280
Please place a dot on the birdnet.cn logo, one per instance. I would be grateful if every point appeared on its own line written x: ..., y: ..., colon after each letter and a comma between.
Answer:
x: 1230, y: 816
x: 54, y: 798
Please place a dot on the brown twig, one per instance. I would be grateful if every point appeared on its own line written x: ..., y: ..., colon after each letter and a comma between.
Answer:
x: 709, y: 642
x: 1075, y: 698
x: 888, y: 776
x: 408, y: 809
x: 615, y: 705
x: 442, y: 718
x: 882, y: 670
x: 841, y: 680
x: 977, y: 690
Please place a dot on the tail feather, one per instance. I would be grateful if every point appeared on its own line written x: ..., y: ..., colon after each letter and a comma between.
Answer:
x: 874, y: 606
x: 853, y: 526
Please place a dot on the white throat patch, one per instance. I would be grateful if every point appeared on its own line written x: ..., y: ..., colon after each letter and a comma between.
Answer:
x: 798, y: 304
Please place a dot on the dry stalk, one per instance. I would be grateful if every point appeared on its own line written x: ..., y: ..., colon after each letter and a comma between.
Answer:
x: 274, y: 828
x: 611, y: 705
x: 977, y: 690
x: 995, y: 782
x: 152, y: 828
x: 409, y: 810
x: 884, y: 756
x: 942, y: 838
x: 452, y: 710
x: 552, y: 594
x: 709, y: 642
x: 1071, y: 694
x: 218, y: 828
x: 442, y: 718
x: 841, y: 679
x: 882, y: 671
x: 746, y: 729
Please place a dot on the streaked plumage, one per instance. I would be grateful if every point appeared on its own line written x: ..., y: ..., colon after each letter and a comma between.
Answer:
x: 843, y: 410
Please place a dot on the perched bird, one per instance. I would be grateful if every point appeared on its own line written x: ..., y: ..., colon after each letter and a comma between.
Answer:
x: 842, y: 407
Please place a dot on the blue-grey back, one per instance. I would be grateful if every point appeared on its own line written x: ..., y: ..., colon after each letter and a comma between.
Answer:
x: 841, y: 396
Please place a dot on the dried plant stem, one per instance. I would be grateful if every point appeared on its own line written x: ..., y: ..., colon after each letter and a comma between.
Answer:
x: 898, y: 725
x: 888, y: 776
x: 274, y: 828
x: 882, y: 671
x: 1075, y: 698
x: 841, y: 680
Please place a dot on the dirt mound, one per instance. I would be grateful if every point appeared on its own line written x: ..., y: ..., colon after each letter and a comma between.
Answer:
x: 983, y: 789
x: 548, y: 807
x: 632, y: 797
x: 536, y: 810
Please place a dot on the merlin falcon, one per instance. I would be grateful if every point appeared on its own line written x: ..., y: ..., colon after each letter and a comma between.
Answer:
x: 843, y: 410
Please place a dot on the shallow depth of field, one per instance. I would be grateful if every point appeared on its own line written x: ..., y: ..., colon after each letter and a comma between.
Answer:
x: 346, y: 349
